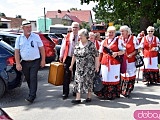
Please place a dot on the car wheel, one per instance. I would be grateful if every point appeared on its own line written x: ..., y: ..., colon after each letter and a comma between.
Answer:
x: 2, y: 88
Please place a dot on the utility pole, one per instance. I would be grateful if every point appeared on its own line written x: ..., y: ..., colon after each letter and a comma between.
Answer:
x: 44, y: 20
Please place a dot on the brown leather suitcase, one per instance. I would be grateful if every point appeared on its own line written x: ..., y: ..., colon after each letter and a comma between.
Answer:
x: 56, y: 73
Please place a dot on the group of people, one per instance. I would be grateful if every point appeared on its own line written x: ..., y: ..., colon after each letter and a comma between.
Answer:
x: 89, y: 56
x: 84, y: 53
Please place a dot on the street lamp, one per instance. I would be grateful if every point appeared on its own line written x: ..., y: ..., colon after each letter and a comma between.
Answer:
x: 44, y: 20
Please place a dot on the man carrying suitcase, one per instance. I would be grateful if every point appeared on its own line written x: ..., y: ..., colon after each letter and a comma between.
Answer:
x: 66, y: 52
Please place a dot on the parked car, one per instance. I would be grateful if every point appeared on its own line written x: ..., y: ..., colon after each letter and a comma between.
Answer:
x: 8, y: 38
x: 49, y: 45
x: 10, y: 78
x: 57, y: 38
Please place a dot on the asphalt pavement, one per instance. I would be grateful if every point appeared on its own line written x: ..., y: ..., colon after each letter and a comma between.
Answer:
x: 49, y: 104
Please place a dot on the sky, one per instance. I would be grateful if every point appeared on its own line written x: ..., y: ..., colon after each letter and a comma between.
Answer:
x: 32, y: 9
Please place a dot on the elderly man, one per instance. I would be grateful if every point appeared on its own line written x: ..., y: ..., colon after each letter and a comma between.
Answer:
x: 29, y: 56
x: 66, y: 54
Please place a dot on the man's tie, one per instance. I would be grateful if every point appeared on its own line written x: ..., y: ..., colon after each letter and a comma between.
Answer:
x: 74, y: 38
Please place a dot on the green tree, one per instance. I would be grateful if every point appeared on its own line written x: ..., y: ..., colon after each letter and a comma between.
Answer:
x: 18, y: 16
x: 157, y: 28
x: 138, y: 14
x: 2, y: 15
x: 85, y: 26
x: 72, y: 9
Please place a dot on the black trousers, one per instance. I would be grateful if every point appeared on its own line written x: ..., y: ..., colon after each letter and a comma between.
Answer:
x: 67, y: 75
x: 30, y: 70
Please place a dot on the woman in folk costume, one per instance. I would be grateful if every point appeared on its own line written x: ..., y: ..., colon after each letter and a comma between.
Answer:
x: 92, y: 38
x: 140, y: 36
x: 150, y: 45
x: 130, y: 43
x: 110, y: 67
x: 98, y: 37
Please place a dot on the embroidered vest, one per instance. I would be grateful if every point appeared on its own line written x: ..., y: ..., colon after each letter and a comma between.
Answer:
x: 148, y: 46
x: 106, y: 58
x: 97, y: 44
x: 129, y: 49
x: 67, y: 47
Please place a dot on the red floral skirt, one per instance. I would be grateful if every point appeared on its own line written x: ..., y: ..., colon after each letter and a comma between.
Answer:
x: 109, y: 92
x: 127, y: 86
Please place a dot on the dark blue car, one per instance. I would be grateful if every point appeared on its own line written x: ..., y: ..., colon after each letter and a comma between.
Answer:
x: 10, y: 78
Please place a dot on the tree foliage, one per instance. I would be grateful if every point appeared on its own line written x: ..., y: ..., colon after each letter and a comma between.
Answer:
x: 2, y: 15
x: 72, y: 9
x: 85, y: 26
x: 138, y: 14
x: 18, y: 16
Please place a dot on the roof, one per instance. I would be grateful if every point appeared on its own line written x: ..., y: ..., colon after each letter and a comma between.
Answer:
x: 4, y: 20
x: 73, y: 18
x: 15, y: 22
x: 82, y: 15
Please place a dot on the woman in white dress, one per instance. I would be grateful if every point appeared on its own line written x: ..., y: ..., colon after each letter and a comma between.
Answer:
x: 110, y: 67
x: 150, y: 44
x: 130, y: 43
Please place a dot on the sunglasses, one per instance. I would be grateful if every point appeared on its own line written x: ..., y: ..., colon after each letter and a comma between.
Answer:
x: 69, y: 31
x: 150, y: 31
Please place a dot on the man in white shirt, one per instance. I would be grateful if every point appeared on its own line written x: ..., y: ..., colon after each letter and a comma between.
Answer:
x: 66, y: 53
x: 29, y: 56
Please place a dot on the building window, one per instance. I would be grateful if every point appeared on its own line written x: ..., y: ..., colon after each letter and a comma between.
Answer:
x: 3, y: 25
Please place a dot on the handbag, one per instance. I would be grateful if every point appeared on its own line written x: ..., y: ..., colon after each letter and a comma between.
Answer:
x: 110, y: 52
x: 123, y: 66
x: 158, y: 55
x: 139, y: 60
x: 97, y: 83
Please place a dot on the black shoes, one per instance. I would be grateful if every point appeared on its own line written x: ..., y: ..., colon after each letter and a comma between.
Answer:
x: 30, y: 99
x: 144, y: 80
x: 76, y: 101
x: 88, y: 100
x: 127, y: 96
x: 79, y: 101
x: 64, y: 96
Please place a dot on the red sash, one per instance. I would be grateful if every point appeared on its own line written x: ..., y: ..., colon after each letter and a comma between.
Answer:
x: 67, y: 47
x: 97, y: 44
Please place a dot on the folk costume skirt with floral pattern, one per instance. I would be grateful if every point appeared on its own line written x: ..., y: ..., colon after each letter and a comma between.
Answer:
x: 85, y: 67
x: 151, y: 71
x: 128, y: 79
x: 111, y: 82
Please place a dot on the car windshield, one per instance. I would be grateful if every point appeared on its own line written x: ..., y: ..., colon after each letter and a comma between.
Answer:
x: 58, y: 30
x: 7, y: 46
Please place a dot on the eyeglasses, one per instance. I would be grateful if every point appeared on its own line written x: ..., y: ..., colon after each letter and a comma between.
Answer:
x: 69, y: 31
x: 75, y: 27
x: 150, y: 31
x: 32, y: 45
